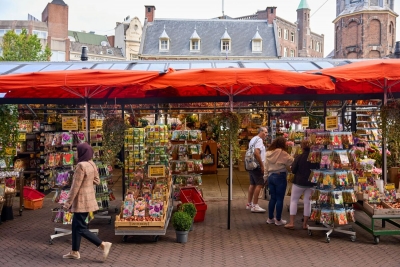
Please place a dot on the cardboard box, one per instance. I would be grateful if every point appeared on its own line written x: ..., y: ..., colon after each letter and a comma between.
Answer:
x: 387, y: 210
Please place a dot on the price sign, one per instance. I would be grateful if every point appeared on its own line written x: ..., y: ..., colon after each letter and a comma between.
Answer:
x: 70, y: 123
x: 362, y: 180
x: 305, y: 122
x: 156, y: 170
x: 331, y: 123
x: 389, y: 186
x: 92, y: 124
x: 22, y: 137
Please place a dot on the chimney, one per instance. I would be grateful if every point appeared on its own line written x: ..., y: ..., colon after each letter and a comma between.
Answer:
x: 84, y: 56
x: 397, y: 50
x: 271, y: 14
x: 149, y: 13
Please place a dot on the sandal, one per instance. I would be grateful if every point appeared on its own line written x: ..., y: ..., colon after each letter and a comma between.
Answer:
x: 72, y: 256
x: 287, y: 226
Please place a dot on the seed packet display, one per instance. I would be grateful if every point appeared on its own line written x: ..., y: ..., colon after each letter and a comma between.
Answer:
x: 350, y: 215
x: 190, y: 166
x: 373, y: 195
x: 328, y: 179
x: 315, y: 154
x: 156, y: 208
x: 315, y: 195
x: 193, y: 135
x: 183, y: 135
x: 175, y: 135
x: 315, y: 214
x: 194, y: 149
x: 390, y: 195
x: 340, y: 159
x: 198, y: 165
x: 326, y: 159
x: 337, y: 198
x: 351, y: 178
x: 326, y: 216
x: 140, y: 207
x: 314, y: 176
x: 340, y: 217
x: 341, y: 178
x: 349, y: 196
x: 68, y: 158
x: 324, y: 197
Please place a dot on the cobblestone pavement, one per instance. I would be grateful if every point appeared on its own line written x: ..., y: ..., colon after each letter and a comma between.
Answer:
x: 24, y: 241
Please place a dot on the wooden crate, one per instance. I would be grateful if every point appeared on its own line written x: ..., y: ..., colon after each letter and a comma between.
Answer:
x: 386, y: 211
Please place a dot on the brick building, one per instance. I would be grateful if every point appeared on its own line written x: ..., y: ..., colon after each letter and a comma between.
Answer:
x: 364, y: 29
x: 295, y: 39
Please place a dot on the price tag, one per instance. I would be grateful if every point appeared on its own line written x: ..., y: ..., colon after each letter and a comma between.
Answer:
x: 156, y: 170
x: 389, y: 186
x: 305, y: 122
x: 331, y: 123
x: 70, y: 123
x: 362, y: 180
x: 22, y: 137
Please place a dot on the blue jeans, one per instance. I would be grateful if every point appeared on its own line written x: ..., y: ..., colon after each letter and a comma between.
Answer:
x: 277, y: 187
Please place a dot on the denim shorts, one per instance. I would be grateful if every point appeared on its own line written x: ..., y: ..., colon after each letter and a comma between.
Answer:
x: 256, y: 177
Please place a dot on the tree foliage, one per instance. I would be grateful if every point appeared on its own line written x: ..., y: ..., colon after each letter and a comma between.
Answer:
x: 23, y: 47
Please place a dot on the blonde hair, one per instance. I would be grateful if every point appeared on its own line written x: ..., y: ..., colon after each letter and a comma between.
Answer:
x: 305, y: 144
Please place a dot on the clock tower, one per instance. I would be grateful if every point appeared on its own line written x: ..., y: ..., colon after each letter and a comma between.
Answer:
x: 364, y: 28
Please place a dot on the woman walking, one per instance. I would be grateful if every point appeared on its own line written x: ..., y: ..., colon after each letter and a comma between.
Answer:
x: 276, y: 164
x: 301, y: 169
x: 82, y: 200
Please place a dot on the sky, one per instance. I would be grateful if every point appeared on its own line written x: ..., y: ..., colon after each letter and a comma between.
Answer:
x: 101, y: 16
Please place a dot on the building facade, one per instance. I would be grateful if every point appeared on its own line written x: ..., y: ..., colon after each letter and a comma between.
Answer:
x: 364, y: 29
x: 295, y: 39
x: 128, y: 35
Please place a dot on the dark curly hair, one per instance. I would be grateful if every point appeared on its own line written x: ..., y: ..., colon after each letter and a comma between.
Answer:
x: 279, y: 142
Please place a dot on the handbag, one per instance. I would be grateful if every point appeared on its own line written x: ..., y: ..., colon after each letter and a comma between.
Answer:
x: 207, y: 158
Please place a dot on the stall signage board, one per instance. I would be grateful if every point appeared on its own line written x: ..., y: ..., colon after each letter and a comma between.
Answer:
x: 22, y: 137
x: 93, y: 124
x: 305, y: 122
x: 69, y: 123
x: 389, y: 186
x: 156, y: 171
x: 331, y: 123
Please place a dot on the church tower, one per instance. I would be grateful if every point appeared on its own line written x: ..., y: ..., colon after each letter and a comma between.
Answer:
x: 303, y: 28
x: 364, y: 29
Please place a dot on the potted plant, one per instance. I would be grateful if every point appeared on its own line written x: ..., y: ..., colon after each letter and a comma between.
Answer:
x: 190, y: 209
x: 181, y: 222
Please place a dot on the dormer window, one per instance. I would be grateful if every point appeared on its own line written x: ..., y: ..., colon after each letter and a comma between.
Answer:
x: 195, y: 41
x: 164, y: 41
x: 256, y: 42
x: 225, y: 42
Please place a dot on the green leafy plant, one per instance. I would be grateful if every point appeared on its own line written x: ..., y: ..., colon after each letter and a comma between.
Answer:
x: 113, y: 138
x: 181, y: 221
x: 390, y: 119
x: 227, y: 131
x: 8, y: 131
x: 189, y: 208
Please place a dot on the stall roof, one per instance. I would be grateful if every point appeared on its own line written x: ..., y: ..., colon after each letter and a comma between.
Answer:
x: 295, y: 64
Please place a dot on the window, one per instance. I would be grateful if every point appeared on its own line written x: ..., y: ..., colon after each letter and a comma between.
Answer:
x: 318, y: 47
x: 292, y: 37
x: 3, y: 31
x: 280, y: 33
x: 285, y: 51
x: 257, y: 45
x: 195, y: 45
x: 285, y: 34
x: 225, y: 45
x: 291, y: 52
x: 18, y: 31
x: 164, y: 44
x: 40, y: 34
x: 110, y: 52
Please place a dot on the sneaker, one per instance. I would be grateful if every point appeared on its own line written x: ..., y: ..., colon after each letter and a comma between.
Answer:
x: 281, y: 222
x: 271, y: 221
x: 74, y: 256
x: 249, y: 206
x: 257, y: 208
x: 107, y: 247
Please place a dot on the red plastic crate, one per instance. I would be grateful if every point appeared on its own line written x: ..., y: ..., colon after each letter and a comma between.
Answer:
x: 192, y: 195
x: 32, y: 194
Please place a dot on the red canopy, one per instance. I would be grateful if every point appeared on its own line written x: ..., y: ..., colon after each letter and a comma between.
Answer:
x: 75, y: 83
x: 234, y: 81
x: 363, y: 77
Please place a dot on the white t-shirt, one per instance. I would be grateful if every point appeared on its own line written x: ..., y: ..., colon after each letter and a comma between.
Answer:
x: 259, y: 144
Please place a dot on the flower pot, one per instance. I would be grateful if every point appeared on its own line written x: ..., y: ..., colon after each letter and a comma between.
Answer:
x: 181, y: 236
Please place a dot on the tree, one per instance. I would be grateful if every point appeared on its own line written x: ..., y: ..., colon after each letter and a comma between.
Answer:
x: 23, y: 47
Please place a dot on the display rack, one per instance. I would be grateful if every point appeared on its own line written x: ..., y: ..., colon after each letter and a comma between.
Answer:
x: 368, y: 128
x: 16, y: 174
x: 335, y: 184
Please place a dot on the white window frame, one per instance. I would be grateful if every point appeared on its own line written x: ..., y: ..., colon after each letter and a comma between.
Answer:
x: 279, y: 32
x: 224, y: 44
x: 292, y: 37
x: 318, y: 47
x: 18, y: 31
x: 40, y: 34
x: 291, y: 53
x: 164, y: 44
x: 256, y: 46
x: 285, y: 52
x: 4, y: 31
x: 286, y: 34
x: 110, y: 51
x: 195, y: 45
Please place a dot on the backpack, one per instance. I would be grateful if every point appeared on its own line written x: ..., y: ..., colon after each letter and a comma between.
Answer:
x: 250, y: 162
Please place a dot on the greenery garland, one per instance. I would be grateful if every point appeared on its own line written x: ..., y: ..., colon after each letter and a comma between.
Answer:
x: 8, y: 132
x: 390, y: 119
x: 228, y: 129
x: 113, y: 138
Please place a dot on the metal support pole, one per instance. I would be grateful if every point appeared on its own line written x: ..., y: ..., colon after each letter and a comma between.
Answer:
x: 325, y: 114
x: 353, y: 117
x: 230, y: 185
x: 343, y: 115
x: 87, y: 116
x: 123, y: 159
x: 384, y: 145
